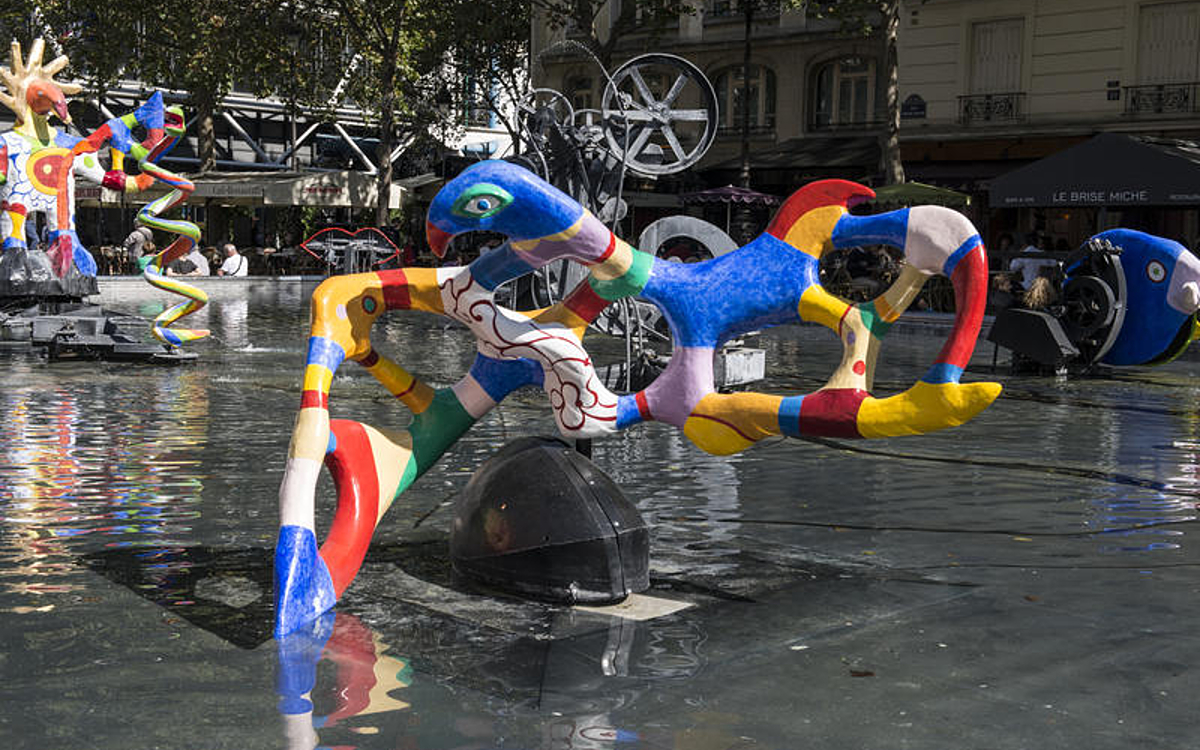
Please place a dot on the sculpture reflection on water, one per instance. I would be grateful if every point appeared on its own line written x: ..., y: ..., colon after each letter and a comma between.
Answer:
x: 42, y: 290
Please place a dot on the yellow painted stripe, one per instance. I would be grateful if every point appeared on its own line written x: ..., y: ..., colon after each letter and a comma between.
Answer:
x: 392, y: 376
x: 566, y: 234
x: 615, y: 265
x: 423, y: 291
x: 317, y: 378
x: 886, y: 312
x: 419, y: 398
x: 819, y: 306
x: 813, y: 232
x: 562, y: 315
x: 401, y: 383
x: 722, y: 424
x: 310, y: 436
x: 924, y: 408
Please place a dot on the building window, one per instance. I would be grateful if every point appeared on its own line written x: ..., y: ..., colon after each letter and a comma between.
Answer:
x: 844, y: 93
x: 735, y: 9
x: 1169, y: 44
x: 996, y: 56
x: 719, y: 8
x: 580, y: 92
x: 1168, y: 62
x: 734, y: 96
x: 476, y: 109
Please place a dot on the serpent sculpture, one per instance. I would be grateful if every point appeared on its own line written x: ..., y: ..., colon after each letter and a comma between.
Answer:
x: 771, y: 280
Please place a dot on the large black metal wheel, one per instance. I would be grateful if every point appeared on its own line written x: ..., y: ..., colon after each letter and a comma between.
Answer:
x: 1090, y: 304
x: 1094, y: 299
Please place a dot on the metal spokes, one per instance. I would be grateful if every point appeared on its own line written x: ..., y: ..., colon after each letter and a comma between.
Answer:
x: 660, y: 114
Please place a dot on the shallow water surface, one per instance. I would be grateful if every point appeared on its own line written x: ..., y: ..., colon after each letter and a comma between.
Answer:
x: 1026, y: 580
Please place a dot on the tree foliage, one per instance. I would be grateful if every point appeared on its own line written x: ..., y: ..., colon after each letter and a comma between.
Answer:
x: 882, y: 17
x: 581, y: 19
x: 486, y: 63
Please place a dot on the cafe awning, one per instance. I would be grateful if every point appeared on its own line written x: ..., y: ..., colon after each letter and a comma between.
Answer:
x: 919, y: 194
x: 811, y: 153
x: 1111, y: 169
x: 325, y: 189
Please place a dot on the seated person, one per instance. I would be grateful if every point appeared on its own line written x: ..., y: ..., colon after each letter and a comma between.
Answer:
x: 192, y: 264
x: 1000, y: 295
x: 1040, y: 294
x: 1030, y: 268
x: 149, y: 250
x: 235, y: 264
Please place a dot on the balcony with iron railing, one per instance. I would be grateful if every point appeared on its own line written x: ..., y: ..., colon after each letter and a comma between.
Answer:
x: 982, y: 109
x: 1162, y: 99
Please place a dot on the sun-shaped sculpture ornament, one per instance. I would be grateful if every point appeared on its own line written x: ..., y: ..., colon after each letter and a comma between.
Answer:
x: 31, y: 88
x: 38, y: 166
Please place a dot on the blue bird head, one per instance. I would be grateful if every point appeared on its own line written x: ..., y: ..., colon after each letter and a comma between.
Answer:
x: 1162, y: 281
x: 497, y: 196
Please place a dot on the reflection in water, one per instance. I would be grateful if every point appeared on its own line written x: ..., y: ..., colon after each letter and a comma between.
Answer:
x: 234, y: 315
x: 579, y: 683
x: 77, y: 469
x: 112, y: 466
x: 365, y: 675
x: 1148, y: 521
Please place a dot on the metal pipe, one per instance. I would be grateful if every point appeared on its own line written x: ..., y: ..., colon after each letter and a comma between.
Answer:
x: 371, y: 168
x: 241, y: 133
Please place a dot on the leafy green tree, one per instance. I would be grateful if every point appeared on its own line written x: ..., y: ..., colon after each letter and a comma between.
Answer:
x: 390, y: 36
x: 581, y: 18
x: 487, y: 62
x: 197, y: 46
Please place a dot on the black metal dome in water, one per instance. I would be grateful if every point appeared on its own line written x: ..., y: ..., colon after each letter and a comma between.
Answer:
x: 539, y: 519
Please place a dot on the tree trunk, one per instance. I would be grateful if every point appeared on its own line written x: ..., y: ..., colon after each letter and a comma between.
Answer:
x: 206, y: 136
x: 890, y: 163
x: 383, y: 179
x: 387, y: 140
x: 744, y: 173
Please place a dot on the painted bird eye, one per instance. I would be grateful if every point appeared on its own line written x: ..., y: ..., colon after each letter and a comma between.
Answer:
x: 481, y: 201
x: 1156, y: 271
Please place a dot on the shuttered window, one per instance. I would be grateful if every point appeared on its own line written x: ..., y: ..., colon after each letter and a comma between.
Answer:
x: 1169, y: 43
x: 996, y: 56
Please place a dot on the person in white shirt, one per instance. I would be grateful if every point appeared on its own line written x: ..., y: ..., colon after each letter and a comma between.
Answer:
x: 235, y: 263
x: 1031, y: 267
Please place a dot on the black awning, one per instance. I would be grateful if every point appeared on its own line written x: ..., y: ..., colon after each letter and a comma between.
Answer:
x: 812, y: 152
x: 1109, y: 170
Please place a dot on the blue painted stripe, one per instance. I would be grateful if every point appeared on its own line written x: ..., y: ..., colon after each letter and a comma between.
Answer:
x: 889, y: 228
x: 324, y: 351
x: 66, y: 140
x: 627, y: 411
x: 299, y: 653
x: 121, y: 138
x: 12, y: 242
x: 943, y: 372
x: 332, y: 446
x: 789, y: 415
x: 497, y: 266
x: 303, y: 586
x: 500, y: 377
x: 972, y: 242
